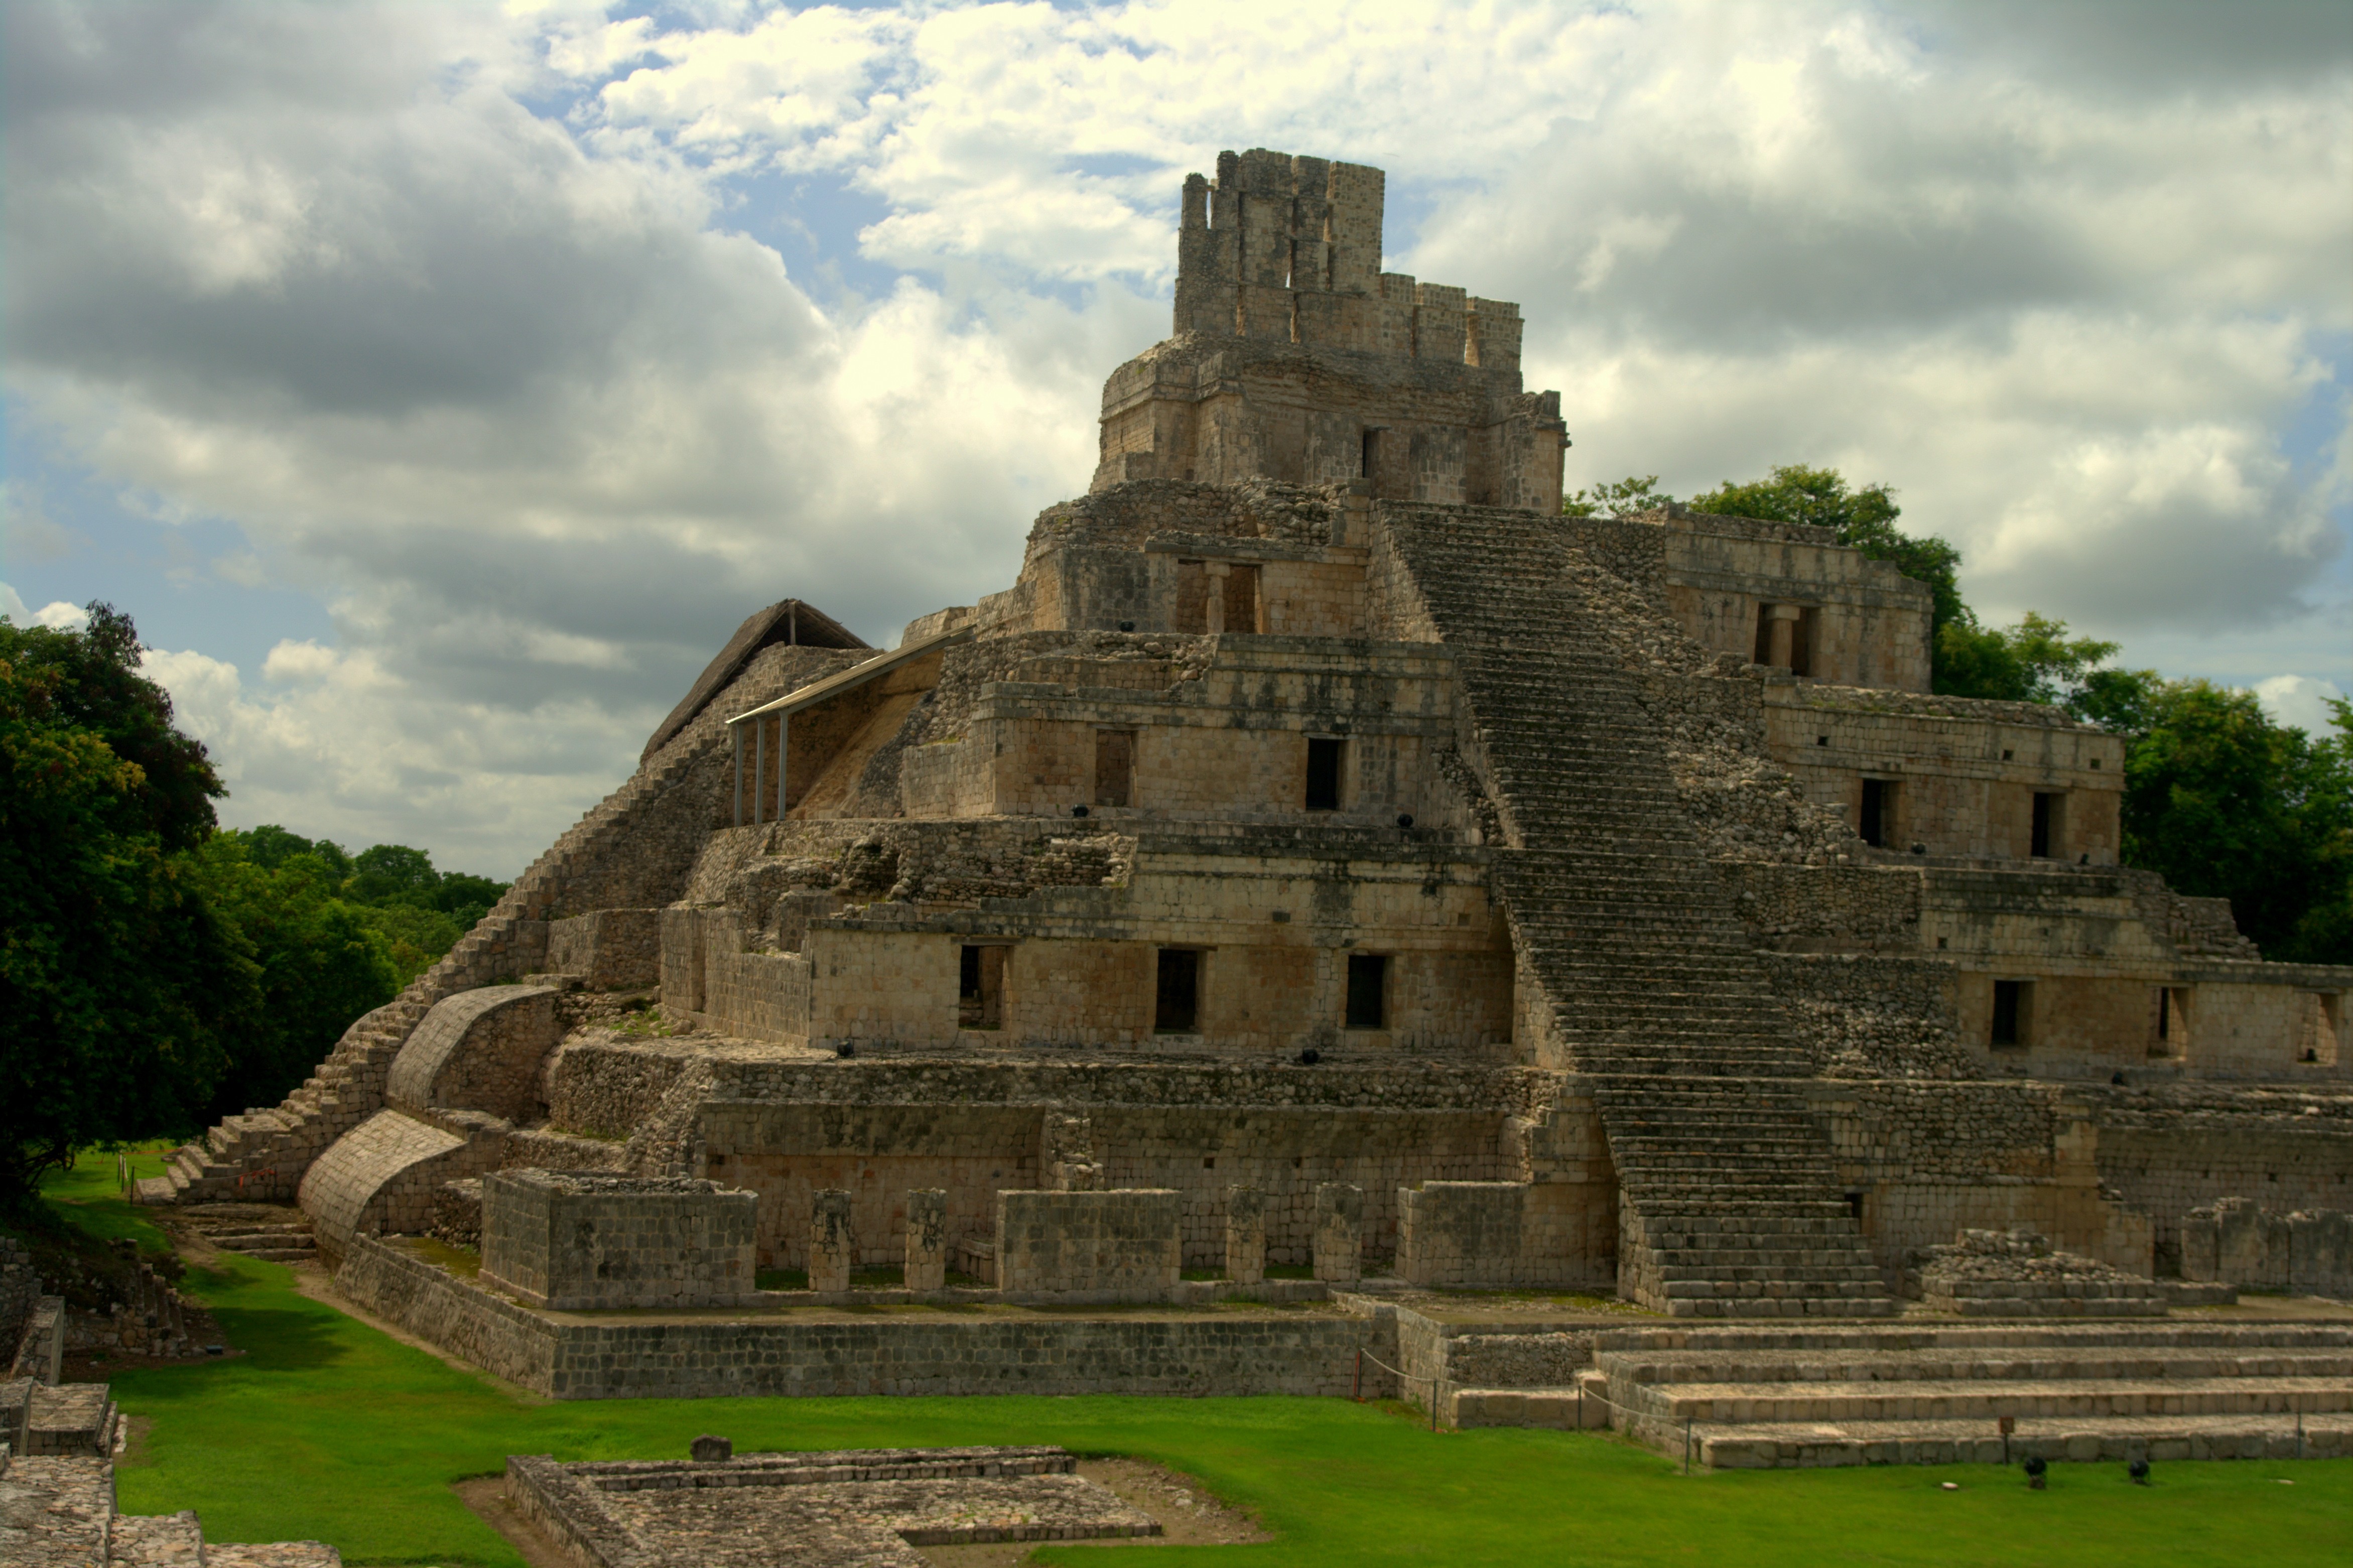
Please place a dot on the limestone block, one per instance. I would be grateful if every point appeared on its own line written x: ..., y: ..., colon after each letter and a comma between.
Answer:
x: 1245, y: 1234
x: 2320, y: 1253
x: 833, y: 1248
x: 1339, y: 1232
x: 566, y: 1240
x: 1123, y: 1244
x: 927, y: 1231
x: 610, y: 950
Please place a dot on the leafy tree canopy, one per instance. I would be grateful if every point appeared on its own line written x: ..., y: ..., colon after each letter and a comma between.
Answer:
x: 121, y: 988
x: 324, y: 962
x: 1622, y: 499
x: 2224, y: 803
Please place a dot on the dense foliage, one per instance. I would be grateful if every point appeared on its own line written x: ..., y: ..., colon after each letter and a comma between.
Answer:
x: 2219, y: 798
x: 157, y: 973
x: 120, y: 984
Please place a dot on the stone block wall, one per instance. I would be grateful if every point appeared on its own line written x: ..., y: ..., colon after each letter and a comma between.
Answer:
x: 2167, y: 1156
x: 1194, y: 1354
x: 1865, y: 622
x: 608, y: 950
x: 568, y: 1241
x: 1493, y: 1234
x: 1925, y: 1161
x: 2240, y: 1242
x: 1113, y: 1245
x: 932, y: 1127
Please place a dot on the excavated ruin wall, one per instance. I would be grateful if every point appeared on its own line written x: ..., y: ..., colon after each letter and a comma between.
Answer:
x: 2169, y: 1151
x: 638, y: 1359
x: 1925, y: 1161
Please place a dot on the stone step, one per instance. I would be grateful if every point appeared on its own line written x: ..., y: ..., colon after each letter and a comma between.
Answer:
x: 1960, y: 1365
x: 2082, y: 1438
x: 1986, y: 1400
x: 1781, y: 1307
x: 156, y: 1541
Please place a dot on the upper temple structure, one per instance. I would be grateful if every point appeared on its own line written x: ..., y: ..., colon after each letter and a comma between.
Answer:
x: 1323, y: 856
x: 1296, y: 358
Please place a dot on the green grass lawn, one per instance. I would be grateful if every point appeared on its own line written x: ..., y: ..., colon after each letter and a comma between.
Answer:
x: 330, y: 1430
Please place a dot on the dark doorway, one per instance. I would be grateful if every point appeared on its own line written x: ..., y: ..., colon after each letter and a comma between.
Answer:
x: 1368, y: 985
x: 980, y: 989
x: 1177, y: 1008
x: 2009, y: 1003
x: 1368, y: 468
x: 2046, y: 818
x: 1114, y: 765
x: 1242, y: 599
x: 1874, y: 818
x: 1324, y: 773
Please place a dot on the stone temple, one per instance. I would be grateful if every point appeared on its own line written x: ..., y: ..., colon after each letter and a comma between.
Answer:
x: 1325, y: 857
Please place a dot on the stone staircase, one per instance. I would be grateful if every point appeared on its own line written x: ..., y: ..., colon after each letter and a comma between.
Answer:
x: 261, y: 1155
x: 274, y: 1233
x: 1731, y: 1205
x: 1754, y: 1397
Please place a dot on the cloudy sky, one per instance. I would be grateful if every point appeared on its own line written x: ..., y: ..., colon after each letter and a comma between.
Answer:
x: 437, y: 383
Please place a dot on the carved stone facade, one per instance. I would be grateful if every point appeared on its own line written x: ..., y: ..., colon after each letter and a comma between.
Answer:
x: 1364, y: 870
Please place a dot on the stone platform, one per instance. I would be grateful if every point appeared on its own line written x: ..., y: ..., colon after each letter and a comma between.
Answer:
x: 1227, y: 1349
x: 2116, y: 1390
x: 852, y: 1508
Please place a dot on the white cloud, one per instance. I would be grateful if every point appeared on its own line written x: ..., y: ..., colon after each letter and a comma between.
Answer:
x: 2302, y: 701
x: 58, y: 616
x: 459, y: 314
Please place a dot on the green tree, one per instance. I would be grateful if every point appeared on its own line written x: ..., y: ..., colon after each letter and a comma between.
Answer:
x: 119, y: 985
x: 2224, y: 803
x: 270, y: 846
x: 394, y: 874
x: 323, y: 961
x: 1621, y: 498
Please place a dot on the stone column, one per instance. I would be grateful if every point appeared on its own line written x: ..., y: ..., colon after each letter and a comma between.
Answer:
x: 832, y: 1248
x: 927, y: 1239
x: 1216, y: 573
x: 1245, y: 1234
x: 1339, y: 1232
x: 1782, y: 629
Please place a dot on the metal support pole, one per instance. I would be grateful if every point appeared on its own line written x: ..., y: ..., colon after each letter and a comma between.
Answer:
x: 1687, y: 1421
x: 737, y: 732
x: 1357, y: 1391
x: 759, y: 767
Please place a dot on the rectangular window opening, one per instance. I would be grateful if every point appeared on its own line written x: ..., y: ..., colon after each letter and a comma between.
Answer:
x: 980, y: 989
x: 1324, y: 773
x: 2046, y: 825
x: 1368, y: 985
x: 1876, y: 819
x: 2010, y: 1011
x: 1114, y: 766
x: 1367, y: 467
x: 1177, y: 1004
